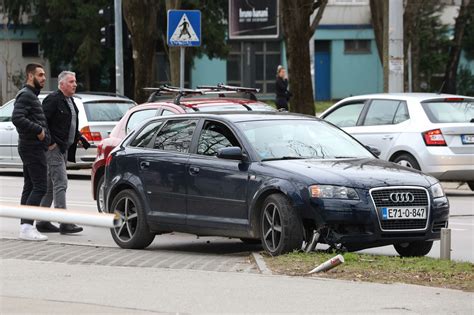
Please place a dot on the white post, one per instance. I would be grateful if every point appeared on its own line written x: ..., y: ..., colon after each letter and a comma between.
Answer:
x: 445, y: 246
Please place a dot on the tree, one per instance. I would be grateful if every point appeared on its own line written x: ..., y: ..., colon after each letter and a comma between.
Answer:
x: 465, y: 17
x: 297, y: 31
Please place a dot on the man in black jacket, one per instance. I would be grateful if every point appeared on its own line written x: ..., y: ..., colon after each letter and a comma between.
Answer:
x: 62, y: 116
x: 33, y: 140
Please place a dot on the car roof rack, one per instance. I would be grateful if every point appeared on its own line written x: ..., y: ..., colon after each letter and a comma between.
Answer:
x: 220, y: 87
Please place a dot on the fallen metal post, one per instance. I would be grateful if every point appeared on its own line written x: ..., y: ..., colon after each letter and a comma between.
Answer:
x: 107, y: 220
x: 328, y: 264
x: 445, y: 246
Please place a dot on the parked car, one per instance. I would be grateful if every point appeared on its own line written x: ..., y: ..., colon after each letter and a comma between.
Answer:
x: 430, y: 132
x: 199, y: 102
x: 98, y: 113
x: 287, y: 180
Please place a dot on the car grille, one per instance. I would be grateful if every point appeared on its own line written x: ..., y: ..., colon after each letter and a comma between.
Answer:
x: 381, y: 198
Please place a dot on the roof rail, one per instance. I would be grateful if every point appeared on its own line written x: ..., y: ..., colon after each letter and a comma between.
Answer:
x: 171, y: 90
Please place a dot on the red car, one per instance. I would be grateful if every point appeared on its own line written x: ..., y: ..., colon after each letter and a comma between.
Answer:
x: 179, y: 105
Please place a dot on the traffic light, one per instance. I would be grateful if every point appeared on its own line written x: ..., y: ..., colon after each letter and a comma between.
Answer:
x: 108, y: 31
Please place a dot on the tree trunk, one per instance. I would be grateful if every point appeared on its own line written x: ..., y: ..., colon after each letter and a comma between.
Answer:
x: 376, y: 12
x: 410, y: 36
x: 140, y: 16
x: 297, y: 32
x: 465, y: 13
x: 173, y: 52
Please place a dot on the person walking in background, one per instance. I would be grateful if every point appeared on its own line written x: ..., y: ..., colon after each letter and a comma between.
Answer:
x: 281, y: 87
x: 33, y: 138
x: 62, y: 117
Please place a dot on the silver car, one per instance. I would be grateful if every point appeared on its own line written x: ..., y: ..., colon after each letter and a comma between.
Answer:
x: 430, y: 132
x: 98, y: 114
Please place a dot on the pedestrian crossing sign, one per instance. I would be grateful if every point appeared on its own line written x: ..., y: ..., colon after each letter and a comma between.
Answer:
x: 184, y: 28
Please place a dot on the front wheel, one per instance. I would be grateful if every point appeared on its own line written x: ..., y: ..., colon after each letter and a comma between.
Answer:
x: 280, y: 226
x: 414, y: 249
x: 133, y: 232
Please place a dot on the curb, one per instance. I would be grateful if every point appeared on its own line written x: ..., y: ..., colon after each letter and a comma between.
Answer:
x: 261, y: 265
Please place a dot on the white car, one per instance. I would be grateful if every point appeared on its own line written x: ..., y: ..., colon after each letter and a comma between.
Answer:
x: 430, y: 132
x: 98, y: 114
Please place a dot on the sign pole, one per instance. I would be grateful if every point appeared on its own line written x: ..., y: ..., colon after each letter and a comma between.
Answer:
x: 118, y: 48
x: 181, y: 67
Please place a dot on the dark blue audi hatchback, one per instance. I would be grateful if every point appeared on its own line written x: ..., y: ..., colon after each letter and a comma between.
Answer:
x: 285, y: 180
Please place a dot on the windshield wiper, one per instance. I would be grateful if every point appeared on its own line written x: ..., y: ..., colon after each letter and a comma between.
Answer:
x: 285, y: 158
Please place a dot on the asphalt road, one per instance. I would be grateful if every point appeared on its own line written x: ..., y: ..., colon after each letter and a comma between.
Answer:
x: 79, y: 198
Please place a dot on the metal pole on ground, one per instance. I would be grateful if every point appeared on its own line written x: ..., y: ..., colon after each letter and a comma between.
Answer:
x: 445, y: 246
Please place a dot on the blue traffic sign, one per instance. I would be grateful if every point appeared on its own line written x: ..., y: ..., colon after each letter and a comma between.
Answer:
x: 184, y: 28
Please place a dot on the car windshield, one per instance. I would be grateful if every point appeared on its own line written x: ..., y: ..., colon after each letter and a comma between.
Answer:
x: 449, y: 111
x: 106, y: 111
x: 298, y: 139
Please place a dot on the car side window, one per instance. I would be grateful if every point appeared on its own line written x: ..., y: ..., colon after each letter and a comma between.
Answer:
x: 139, y: 116
x: 381, y: 112
x: 6, y: 112
x: 214, y: 136
x: 176, y: 135
x: 144, y: 137
x: 402, y: 113
x: 167, y: 113
x: 346, y: 115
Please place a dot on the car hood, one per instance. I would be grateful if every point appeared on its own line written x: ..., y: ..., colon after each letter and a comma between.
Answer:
x: 358, y: 173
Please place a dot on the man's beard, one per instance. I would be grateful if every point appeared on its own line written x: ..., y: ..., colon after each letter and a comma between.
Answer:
x: 38, y: 86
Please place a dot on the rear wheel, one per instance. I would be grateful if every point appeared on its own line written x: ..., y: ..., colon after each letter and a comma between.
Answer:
x: 407, y: 160
x: 134, y: 231
x: 280, y: 226
x: 100, y: 194
x: 414, y: 249
x: 471, y: 185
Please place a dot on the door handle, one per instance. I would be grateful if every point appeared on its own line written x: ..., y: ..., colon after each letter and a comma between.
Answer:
x: 193, y: 170
x: 387, y: 137
x: 144, y: 165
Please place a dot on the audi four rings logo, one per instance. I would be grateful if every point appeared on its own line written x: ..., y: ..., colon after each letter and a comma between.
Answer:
x: 402, y: 197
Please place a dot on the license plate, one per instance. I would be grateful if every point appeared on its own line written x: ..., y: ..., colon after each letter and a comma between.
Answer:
x: 467, y: 139
x: 403, y: 213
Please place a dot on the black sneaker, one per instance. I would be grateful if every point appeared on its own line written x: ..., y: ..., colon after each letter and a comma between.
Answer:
x: 69, y: 228
x: 46, y: 227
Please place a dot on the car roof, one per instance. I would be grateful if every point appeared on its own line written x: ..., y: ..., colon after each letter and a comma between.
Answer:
x: 196, y: 102
x: 92, y: 97
x: 405, y: 96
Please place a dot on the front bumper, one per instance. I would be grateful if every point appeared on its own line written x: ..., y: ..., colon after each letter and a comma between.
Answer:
x: 356, y: 225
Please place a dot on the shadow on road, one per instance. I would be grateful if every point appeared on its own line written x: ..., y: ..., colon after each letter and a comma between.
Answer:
x: 214, y: 246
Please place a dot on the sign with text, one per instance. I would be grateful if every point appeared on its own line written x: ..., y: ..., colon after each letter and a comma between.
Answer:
x: 253, y: 19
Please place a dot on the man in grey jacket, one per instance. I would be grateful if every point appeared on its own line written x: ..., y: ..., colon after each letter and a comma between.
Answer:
x: 33, y: 140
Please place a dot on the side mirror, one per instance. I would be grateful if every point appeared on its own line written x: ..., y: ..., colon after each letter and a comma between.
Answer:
x: 230, y: 153
x: 374, y: 150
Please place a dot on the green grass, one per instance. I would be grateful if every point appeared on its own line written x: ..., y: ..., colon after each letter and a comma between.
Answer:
x: 384, y: 269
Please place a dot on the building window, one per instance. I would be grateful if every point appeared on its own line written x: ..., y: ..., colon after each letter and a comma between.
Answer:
x: 357, y: 46
x: 267, y: 59
x: 30, y: 49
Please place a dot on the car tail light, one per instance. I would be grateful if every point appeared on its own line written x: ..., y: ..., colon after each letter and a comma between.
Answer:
x: 90, y: 136
x: 434, y: 138
x: 108, y: 160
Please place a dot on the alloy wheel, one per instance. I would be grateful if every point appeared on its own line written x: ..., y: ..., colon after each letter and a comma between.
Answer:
x: 101, y: 197
x: 405, y: 163
x: 128, y: 213
x: 272, y: 226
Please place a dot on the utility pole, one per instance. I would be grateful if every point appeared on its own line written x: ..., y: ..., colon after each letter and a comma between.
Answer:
x: 393, y: 46
x: 118, y: 48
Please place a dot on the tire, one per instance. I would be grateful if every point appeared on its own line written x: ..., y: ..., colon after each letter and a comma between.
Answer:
x: 414, y: 249
x: 134, y: 232
x: 407, y: 160
x: 281, y: 229
x: 251, y: 241
x: 100, y: 194
x: 471, y: 185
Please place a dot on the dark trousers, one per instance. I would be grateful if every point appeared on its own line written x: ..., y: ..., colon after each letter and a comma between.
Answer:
x: 282, y: 103
x: 35, y: 174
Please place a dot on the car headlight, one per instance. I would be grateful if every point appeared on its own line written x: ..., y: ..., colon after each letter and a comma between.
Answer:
x: 332, y: 192
x: 437, y: 190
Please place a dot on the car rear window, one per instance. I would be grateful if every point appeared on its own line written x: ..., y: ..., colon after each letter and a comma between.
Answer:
x: 106, y: 110
x: 449, y: 111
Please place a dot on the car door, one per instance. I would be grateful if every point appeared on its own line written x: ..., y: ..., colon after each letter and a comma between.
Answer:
x: 381, y: 124
x: 163, y: 170
x: 217, y: 188
x: 8, y: 134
